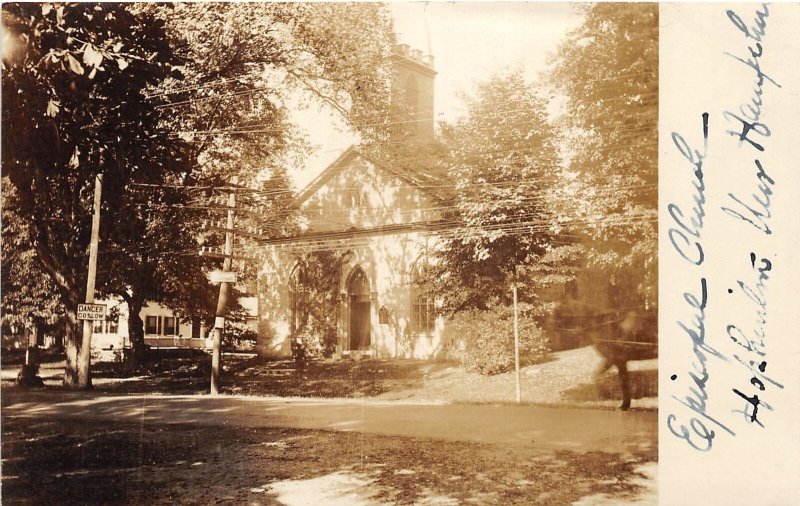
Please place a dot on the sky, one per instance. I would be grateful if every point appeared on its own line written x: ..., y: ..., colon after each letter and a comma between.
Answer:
x: 470, y: 42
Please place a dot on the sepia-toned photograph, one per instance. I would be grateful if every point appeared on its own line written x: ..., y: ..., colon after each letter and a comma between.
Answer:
x: 330, y: 253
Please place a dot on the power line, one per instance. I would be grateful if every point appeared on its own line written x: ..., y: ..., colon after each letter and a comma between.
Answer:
x: 465, y: 163
x: 240, y: 129
x: 346, y: 242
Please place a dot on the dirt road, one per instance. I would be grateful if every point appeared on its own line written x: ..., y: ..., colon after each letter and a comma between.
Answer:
x: 573, y: 429
x: 86, y: 448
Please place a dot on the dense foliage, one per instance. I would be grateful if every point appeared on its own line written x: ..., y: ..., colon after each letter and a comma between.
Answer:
x: 73, y: 107
x: 29, y: 297
x: 608, y: 71
x: 484, y: 339
x: 504, y: 166
x: 164, y: 101
x: 316, y: 284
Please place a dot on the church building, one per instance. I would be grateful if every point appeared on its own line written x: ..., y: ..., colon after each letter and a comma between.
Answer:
x: 376, y: 219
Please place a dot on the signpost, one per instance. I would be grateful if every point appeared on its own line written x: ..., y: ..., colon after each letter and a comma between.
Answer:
x: 516, y: 343
x: 91, y: 311
x: 85, y: 357
x: 222, y: 277
x: 222, y: 302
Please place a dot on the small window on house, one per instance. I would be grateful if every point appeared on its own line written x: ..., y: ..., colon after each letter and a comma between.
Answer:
x: 97, y: 326
x: 112, y: 327
x: 151, y: 325
x: 195, y: 328
x: 169, y: 326
x: 422, y: 315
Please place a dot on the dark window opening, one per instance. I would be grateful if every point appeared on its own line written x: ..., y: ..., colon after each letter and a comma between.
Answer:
x: 151, y: 325
x: 195, y: 328
x: 170, y: 327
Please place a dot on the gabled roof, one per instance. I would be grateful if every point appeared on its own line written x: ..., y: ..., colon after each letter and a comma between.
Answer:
x: 426, y: 184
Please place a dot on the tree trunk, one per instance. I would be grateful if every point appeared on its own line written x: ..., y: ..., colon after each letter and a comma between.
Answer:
x: 72, y: 342
x: 135, y: 334
x: 84, y: 359
x: 33, y: 335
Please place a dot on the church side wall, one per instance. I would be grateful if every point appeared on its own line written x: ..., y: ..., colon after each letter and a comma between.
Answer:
x: 273, y: 303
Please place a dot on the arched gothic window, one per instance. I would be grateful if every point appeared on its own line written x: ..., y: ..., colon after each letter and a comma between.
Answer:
x: 412, y: 103
x: 423, y: 312
x: 412, y: 95
x: 297, y: 299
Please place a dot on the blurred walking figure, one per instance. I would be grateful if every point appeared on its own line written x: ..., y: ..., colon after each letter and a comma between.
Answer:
x: 299, y: 354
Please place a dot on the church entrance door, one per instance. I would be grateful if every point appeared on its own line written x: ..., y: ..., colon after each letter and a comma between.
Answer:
x: 358, y: 292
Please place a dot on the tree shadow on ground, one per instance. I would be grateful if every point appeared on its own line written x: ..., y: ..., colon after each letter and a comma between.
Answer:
x: 90, y: 462
x: 171, y: 375
x: 245, y: 375
x: 341, y: 379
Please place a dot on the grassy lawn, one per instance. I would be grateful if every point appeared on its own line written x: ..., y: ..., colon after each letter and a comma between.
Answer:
x: 87, y: 462
x: 565, y: 380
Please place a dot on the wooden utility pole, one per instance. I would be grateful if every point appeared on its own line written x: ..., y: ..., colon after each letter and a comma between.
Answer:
x: 516, y: 342
x: 85, y: 357
x: 222, y: 302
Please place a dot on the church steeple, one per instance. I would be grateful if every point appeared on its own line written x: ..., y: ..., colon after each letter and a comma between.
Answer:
x: 412, y: 95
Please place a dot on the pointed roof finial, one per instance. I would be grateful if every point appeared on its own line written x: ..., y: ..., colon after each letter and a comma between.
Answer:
x: 428, y: 34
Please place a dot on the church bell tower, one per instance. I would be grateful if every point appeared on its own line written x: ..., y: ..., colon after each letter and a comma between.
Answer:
x: 412, y: 95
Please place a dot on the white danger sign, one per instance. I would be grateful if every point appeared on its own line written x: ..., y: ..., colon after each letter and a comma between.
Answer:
x: 91, y: 311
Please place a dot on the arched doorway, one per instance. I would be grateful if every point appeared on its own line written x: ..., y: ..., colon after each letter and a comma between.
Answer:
x: 358, y: 296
